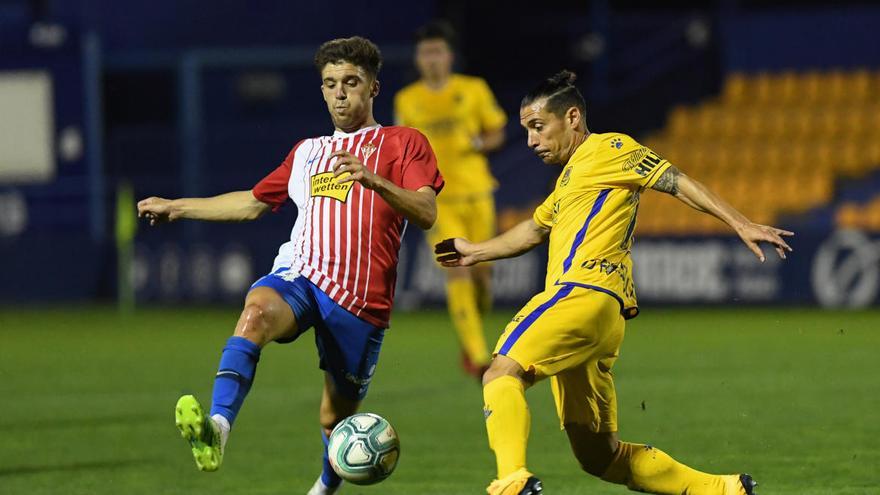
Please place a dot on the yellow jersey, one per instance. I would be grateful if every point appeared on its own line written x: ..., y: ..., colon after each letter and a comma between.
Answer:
x: 591, y: 215
x: 450, y: 118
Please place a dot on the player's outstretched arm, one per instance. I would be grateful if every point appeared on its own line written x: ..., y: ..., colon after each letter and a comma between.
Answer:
x: 238, y: 206
x: 699, y: 197
x: 516, y: 241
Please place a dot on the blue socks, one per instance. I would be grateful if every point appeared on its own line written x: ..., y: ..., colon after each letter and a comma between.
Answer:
x: 328, y: 475
x: 238, y: 364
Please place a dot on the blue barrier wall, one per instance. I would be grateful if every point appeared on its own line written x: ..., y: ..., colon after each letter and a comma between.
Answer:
x: 140, y: 53
x: 839, y: 269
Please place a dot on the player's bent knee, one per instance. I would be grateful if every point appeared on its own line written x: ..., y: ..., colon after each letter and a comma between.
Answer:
x: 253, y: 324
x: 257, y: 321
x: 503, y: 366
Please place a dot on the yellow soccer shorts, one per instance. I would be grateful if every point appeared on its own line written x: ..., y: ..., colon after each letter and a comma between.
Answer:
x: 571, y: 334
x: 471, y: 217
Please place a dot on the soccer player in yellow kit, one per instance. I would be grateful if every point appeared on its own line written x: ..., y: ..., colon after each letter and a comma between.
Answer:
x: 572, y: 331
x: 462, y: 121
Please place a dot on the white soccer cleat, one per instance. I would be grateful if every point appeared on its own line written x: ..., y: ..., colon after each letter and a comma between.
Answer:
x: 319, y: 488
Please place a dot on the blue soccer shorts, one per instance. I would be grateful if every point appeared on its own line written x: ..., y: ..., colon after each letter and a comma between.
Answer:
x: 348, y: 346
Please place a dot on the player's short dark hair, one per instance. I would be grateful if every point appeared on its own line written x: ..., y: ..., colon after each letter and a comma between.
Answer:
x: 437, y: 30
x: 561, y: 94
x: 355, y: 50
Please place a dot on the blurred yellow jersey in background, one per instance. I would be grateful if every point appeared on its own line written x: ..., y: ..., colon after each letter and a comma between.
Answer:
x: 451, y: 118
x: 592, y: 215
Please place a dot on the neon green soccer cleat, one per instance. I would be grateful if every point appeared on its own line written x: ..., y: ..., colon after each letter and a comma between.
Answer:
x: 200, y: 431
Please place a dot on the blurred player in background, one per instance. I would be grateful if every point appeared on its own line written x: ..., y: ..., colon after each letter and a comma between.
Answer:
x: 354, y: 192
x: 572, y: 331
x: 463, y: 122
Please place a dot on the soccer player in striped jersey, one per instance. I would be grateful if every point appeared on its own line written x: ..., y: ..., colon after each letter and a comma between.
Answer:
x: 572, y: 331
x: 355, y: 191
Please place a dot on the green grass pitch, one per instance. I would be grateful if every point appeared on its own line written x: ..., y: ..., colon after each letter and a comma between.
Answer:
x: 791, y: 396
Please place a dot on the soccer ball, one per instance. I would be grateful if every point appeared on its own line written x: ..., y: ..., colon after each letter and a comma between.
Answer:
x: 363, y: 449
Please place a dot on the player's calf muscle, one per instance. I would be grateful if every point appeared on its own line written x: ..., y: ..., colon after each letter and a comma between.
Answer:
x: 594, y: 451
x: 332, y: 412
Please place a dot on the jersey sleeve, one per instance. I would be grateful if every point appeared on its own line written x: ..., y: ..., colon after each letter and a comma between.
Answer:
x: 624, y: 162
x: 272, y: 189
x: 420, y: 164
x: 492, y: 117
x: 543, y: 215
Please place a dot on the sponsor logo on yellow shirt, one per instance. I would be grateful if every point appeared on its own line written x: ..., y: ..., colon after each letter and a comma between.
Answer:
x: 637, y: 156
x: 327, y: 185
x: 643, y: 161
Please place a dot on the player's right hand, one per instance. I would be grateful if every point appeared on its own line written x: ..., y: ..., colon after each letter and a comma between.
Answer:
x: 754, y: 233
x: 455, y: 252
x: 156, y: 210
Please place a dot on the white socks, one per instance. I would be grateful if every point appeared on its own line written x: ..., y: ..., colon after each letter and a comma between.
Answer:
x: 224, y: 426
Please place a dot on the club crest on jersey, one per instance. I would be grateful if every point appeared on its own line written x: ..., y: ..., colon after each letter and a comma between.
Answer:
x: 368, y: 150
x: 326, y: 184
x: 566, y: 177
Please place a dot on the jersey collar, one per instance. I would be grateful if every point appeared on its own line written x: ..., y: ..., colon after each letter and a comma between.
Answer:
x: 337, y: 133
x: 583, y: 148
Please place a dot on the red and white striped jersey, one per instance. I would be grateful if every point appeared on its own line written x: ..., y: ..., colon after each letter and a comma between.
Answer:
x: 346, y: 238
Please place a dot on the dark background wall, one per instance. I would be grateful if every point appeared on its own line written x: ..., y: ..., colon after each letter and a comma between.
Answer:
x: 188, y: 97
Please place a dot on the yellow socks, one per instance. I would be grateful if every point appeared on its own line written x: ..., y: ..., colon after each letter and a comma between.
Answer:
x: 462, y: 296
x: 646, y: 469
x: 507, y: 423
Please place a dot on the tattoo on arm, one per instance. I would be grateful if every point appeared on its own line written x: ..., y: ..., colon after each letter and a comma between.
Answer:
x: 668, y: 182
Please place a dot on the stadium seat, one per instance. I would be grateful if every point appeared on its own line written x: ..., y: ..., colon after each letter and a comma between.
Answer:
x: 859, y: 87
x: 680, y: 121
x: 849, y: 159
x: 774, y: 143
x: 848, y: 216
x: 810, y: 88
x: 871, y: 153
x: 854, y: 122
x: 763, y: 88
x: 735, y: 90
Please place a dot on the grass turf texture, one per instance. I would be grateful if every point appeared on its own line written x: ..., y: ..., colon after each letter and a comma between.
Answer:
x: 791, y: 396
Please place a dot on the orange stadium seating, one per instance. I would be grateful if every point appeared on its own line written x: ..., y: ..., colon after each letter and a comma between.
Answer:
x: 772, y: 144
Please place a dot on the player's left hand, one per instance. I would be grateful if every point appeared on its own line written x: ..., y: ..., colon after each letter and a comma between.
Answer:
x: 455, y: 252
x: 754, y: 233
x: 348, y: 163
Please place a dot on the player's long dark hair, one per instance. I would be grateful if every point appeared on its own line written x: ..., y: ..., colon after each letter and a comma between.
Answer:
x: 561, y: 93
x: 355, y: 50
